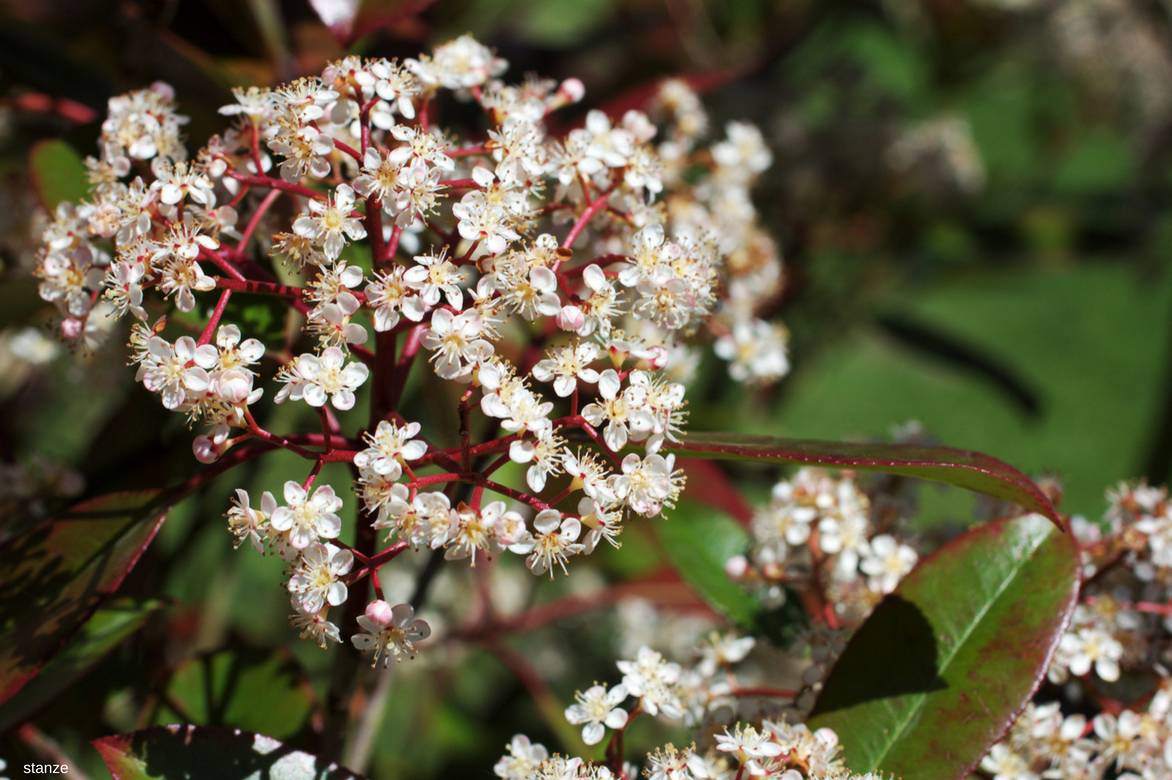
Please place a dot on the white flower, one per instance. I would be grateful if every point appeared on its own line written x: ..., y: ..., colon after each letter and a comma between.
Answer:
x: 330, y: 223
x: 317, y: 580
x: 458, y: 64
x: 752, y: 748
x: 535, y: 295
x: 456, y: 341
x: 611, y: 408
x: 756, y: 351
x: 744, y: 150
x: 124, y: 288
x: 603, y: 522
x: 723, y: 650
x: 389, y: 634
x: 522, y: 761
x: 247, y: 523
x: 304, y: 519
x: 565, y: 366
x: 313, y: 625
x: 389, y: 295
x: 886, y: 563
x: 482, y: 220
x: 434, y: 275
x: 390, y: 447
x: 329, y: 377
x: 555, y: 540
x: 648, y: 484
x: 596, y: 710
x: 1092, y: 647
x: 177, y: 373
x: 652, y: 679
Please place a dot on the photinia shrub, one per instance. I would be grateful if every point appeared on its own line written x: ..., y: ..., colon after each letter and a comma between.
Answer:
x: 422, y: 227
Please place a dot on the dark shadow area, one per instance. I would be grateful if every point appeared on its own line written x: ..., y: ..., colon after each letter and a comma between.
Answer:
x: 894, y: 653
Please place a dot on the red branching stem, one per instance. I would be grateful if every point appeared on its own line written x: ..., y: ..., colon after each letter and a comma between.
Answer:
x: 214, y: 319
x: 260, y: 288
x: 275, y: 440
x: 374, y: 228
x: 255, y: 148
x: 348, y: 149
x: 313, y: 472
x: 516, y: 495
x: 393, y: 244
x: 253, y: 221
x: 276, y: 184
x: 597, y: 205
x: 224, y: 264
x: 403, y: 367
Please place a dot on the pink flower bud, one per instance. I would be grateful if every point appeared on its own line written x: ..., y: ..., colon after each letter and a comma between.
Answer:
x: 206, y: 450
x: 736, y: 567
x: 572, y: 90
x: 571, y: 318
x: 379, y: 611
x: 71, y: 328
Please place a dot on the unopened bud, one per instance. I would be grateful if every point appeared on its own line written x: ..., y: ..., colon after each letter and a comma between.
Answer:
x: 206, y: 450
x: 571, y: 318
x: 736, y: 567
x: 379, y: 612
x: 71, y: 328
x: 572, y: 90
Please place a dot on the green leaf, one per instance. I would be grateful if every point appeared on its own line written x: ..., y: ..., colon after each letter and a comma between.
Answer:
x: 109, y: 626
x: 963, y: 468
x: 938, y: 672
x: 55, y: 575
x: 699, y: 541
x: 58, y: 173
x: 256, y: 692
x: 195, y: 753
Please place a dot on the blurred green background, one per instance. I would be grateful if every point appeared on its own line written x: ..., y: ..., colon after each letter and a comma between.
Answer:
x: 973, y: 203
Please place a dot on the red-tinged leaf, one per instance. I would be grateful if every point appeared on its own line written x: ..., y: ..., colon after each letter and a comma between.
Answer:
x: 58, y: 173
x: 201, y: 753
x: 942, y: 667
x: 55, y: 575
x: 109, y: 627
x: 963, y: 468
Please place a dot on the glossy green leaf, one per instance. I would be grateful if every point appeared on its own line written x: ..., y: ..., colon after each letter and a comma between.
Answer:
x: 108, y: 627
x: 58, y: 173
x: 55, y: 575
x: 200, y: 753
x: 963, y: 468
x: 940, y: 669
x: 698, y: 541
x: 257, y: 692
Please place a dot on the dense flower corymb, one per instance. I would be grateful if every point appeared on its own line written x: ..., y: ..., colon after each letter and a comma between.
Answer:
x: 563, y: 285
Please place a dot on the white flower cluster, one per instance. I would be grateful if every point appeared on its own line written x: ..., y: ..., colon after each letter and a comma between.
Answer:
x: 1045, y: 743
x: 603, y: 252
x: 1117, y: 644
x: 703, y: 696
x: 818, y: 528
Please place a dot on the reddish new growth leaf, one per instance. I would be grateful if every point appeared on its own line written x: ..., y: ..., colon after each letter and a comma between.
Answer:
x: 963, y: 468
x: 54, y: 576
